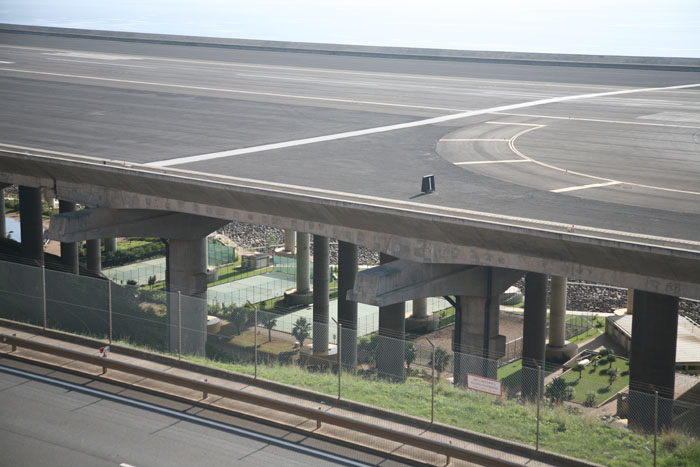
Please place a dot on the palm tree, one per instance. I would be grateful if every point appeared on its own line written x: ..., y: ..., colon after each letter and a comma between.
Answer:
x: 301, y: 330
x: 578, y: 368
x: 269, y: 321
x: 610, y: 359
x: 612, y: 375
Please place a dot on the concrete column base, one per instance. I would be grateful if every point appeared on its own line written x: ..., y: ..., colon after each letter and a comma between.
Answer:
x: 428, y: 323
x: 560, y: 354
x: 292, y: 297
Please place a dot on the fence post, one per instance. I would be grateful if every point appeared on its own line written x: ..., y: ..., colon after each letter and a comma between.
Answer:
x: 432, y: 381
x: 539, y: 396
x: 656, y: 420
x: 179, y: 325
x: 43, y: 294
x: 109, y: 299
x: 340, y: 362
x: 255, y: 340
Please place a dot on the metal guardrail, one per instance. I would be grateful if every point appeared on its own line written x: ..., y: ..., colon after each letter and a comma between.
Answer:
x: 207, y: 388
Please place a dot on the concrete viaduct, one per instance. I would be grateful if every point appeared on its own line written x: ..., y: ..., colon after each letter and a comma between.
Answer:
x: 429, y: 246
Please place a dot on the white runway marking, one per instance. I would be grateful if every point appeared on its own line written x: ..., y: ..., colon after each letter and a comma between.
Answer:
x: 474, y: 139
x: 6, y: 63
x: 232, y: 91
x: 506, y: 161
x: 512, y: 123
x: 595, y: 120
x: 97, y: 63
x: 399, y: 126
x: 584, y: 187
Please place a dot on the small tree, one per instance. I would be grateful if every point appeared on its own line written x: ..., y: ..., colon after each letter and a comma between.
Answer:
x: 269, y: 321
x: 612, y: 376
x: 610, y: 359
x: 442, y: 359
x: 151, y: 280
x: 578, y: 368
x: 301, y: 330
x: 590, y: 399
x: 556, y: 390
x: 238, y: 316
x: 410, y: 355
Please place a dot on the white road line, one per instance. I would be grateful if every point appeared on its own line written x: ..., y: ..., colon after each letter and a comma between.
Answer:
x: 232, y: 91
x: 474, y: 139
x: 97, y: 63
x: 399, y: 126
x: 6, y: 63
x: 595, y: 120
x: 330, y: 71
x: 506, y: 161
x: 584, y: 187
x: 512, y: 123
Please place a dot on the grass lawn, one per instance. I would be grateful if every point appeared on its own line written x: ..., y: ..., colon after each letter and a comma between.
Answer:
x: 596, y: 380
x: 597, y: 329
x: 511, y: 374
x: 276, y: 346
x: 126, y: 245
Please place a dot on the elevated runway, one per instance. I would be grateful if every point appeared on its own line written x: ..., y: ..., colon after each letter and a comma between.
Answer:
x: 578, y: 165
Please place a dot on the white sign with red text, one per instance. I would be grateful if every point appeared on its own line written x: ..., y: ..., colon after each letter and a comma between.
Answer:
x: 487, y: 385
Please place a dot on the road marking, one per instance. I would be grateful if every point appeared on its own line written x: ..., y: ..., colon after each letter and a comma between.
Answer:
x: 596, y: 120
x: 228, y: 90
x: 585, y: 187
x: 538, y: 84
x: 506, y: 161
x: 399, y: 126
x: 513, y: 123
x: 97, y: 63
x: 6, y: 63
x: 474, y: 139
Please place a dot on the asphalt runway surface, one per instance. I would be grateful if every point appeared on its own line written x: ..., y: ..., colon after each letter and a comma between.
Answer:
x: 610, y: 148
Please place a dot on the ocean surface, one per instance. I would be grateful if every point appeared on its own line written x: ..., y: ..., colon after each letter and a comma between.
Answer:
x: 669, y: 28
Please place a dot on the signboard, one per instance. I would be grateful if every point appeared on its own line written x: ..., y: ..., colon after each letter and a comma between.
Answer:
x: 487, y: 385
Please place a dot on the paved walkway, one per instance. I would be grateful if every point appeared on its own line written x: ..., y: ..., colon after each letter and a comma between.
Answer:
x: 404, y: 425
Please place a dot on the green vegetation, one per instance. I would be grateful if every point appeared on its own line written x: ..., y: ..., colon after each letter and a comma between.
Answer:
x: 597, y: 329
x: 136, y: 249
x: 561, y: 430
x: 232, y: 272
x: 596, y: 380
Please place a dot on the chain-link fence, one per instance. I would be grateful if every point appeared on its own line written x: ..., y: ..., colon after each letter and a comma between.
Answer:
x: 565, y: 409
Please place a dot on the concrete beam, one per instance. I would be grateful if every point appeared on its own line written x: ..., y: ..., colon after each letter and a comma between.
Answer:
x: 392, y: 332
x: 534, y: 326
x: 428, y: 235
x: 187, y: 272
x: 653, y: 359
x: 347, y: 309
x: 321, y: 307
x: 99, y: 223
x: 69, y: 250
x: 31, y: 224
x: 403, y: 280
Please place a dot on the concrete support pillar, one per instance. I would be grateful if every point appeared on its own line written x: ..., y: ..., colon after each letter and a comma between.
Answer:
x: 392, y: 332
x: 652, y: 359
x: 630, y: 301
x: 420, y: 308
x: 110, y: 244
x: 303, y: 279
x: 534, y: 326
x: 187, y: 274
x: 290, y: 240
x: 69, y: 250
x: 477, y: 344
x: 347, y: 309
x: 31, y: 224
x: 558, y: 350
x: 3, y: 226
x: 321, y: 292
x: 94, y: 258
